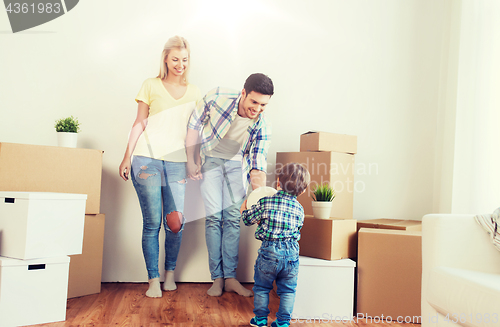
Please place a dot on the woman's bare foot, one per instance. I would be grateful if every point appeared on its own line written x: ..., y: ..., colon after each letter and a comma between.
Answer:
x: 169, y: 284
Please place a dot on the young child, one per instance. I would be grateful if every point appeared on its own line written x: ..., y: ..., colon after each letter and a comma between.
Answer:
x: 280, y: 218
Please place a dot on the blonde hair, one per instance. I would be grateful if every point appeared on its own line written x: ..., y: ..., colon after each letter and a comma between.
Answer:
x: 175, y: 42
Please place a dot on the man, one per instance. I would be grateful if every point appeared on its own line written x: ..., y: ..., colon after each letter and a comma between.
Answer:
x: 227, y: 143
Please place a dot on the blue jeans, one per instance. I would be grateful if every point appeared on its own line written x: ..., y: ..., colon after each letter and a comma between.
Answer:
x: 223, y: 193
x: 277, y: 261
x: 160, y: 186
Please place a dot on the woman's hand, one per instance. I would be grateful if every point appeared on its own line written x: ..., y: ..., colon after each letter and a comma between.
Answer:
x: 193, y: 170
x: 125, y: 168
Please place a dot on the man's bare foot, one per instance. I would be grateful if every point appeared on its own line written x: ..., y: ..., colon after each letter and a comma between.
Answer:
x: 216, y: 289
x: 232, y: 285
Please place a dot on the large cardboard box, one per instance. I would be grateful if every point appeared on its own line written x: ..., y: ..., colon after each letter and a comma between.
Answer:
x: 413, y: 225
x: 336, y: 169
x: 389, y: 273
x: 322, y: 141
x: 41, y: 224
x: 85, y: 270
x: 328, y: 239
x: 33, y: 291
x: 36, y: 168
x: 325, y: 290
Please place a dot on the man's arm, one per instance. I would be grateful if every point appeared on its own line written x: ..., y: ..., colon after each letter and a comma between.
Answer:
x: 257, y: 178
x: 258, y: 155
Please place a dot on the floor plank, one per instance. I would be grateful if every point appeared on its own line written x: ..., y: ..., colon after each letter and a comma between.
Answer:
x: 125, y: 304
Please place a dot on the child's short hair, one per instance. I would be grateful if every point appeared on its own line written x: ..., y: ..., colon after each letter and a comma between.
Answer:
x: 293, y: 178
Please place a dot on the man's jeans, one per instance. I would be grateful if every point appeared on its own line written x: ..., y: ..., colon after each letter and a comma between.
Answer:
x: 159, y: 184
x: 277, y: 261
x: 223, y: 193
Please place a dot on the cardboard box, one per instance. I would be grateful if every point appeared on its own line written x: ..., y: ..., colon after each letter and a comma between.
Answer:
x: 325, y: 289
x: 413, y: 225
x: 336, y: 169
x: 389, y: 272
x: 328, y: 239
x: 322, y: 141
x: 41, y: 224
x: 85, y: 270
x: 36, y: 168
x: 33, y: 291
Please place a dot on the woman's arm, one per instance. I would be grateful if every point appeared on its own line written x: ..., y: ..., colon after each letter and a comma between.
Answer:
x: 141, y: 121
x: 193, y: 154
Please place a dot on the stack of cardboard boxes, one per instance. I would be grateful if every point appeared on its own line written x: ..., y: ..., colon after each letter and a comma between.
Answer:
x: 387, y: 251
x: 34, y: 168
x: 326, y: 274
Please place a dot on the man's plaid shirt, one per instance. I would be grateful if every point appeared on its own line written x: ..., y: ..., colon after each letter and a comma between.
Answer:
x: 214, y: 115
x: 280, y: 217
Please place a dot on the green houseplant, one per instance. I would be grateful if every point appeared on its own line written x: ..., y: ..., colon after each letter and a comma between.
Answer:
x: 67, y: 125
x: 67, y: 129
x: 323, y: 196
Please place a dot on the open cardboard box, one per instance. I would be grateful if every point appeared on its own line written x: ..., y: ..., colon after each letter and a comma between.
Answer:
x: 413, y: 225
x: 389, y: 272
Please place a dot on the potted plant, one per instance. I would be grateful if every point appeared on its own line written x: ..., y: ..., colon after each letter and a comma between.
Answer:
x: 323, y: 196
x: 67, y: 131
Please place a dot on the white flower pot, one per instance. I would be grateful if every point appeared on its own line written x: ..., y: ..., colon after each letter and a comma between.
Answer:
x: 322, y: 209
x: 68, y: 140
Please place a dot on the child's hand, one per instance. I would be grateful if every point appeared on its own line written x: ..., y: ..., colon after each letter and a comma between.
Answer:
x: 243, y: 206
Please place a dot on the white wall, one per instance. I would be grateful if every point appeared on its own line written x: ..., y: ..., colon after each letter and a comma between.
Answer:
x: 447, y: 103
x: 365, y: 68
x: 468, y: 147
x: 477, y: 143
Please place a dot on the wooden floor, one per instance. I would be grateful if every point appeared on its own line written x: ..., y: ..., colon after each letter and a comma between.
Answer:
x: 124, y: 304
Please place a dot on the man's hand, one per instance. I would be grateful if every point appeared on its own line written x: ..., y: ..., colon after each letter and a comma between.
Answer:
x: 193, y: 170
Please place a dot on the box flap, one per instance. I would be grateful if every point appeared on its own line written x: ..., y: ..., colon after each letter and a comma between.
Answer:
x: 310, y: 132
x: 42, y: 195
x: 308, y: 261
x: 390, y: 231
x: 386, y: 223
x: 10, y: 262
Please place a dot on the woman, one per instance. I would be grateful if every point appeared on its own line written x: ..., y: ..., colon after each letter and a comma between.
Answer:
x: 155, y: 158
